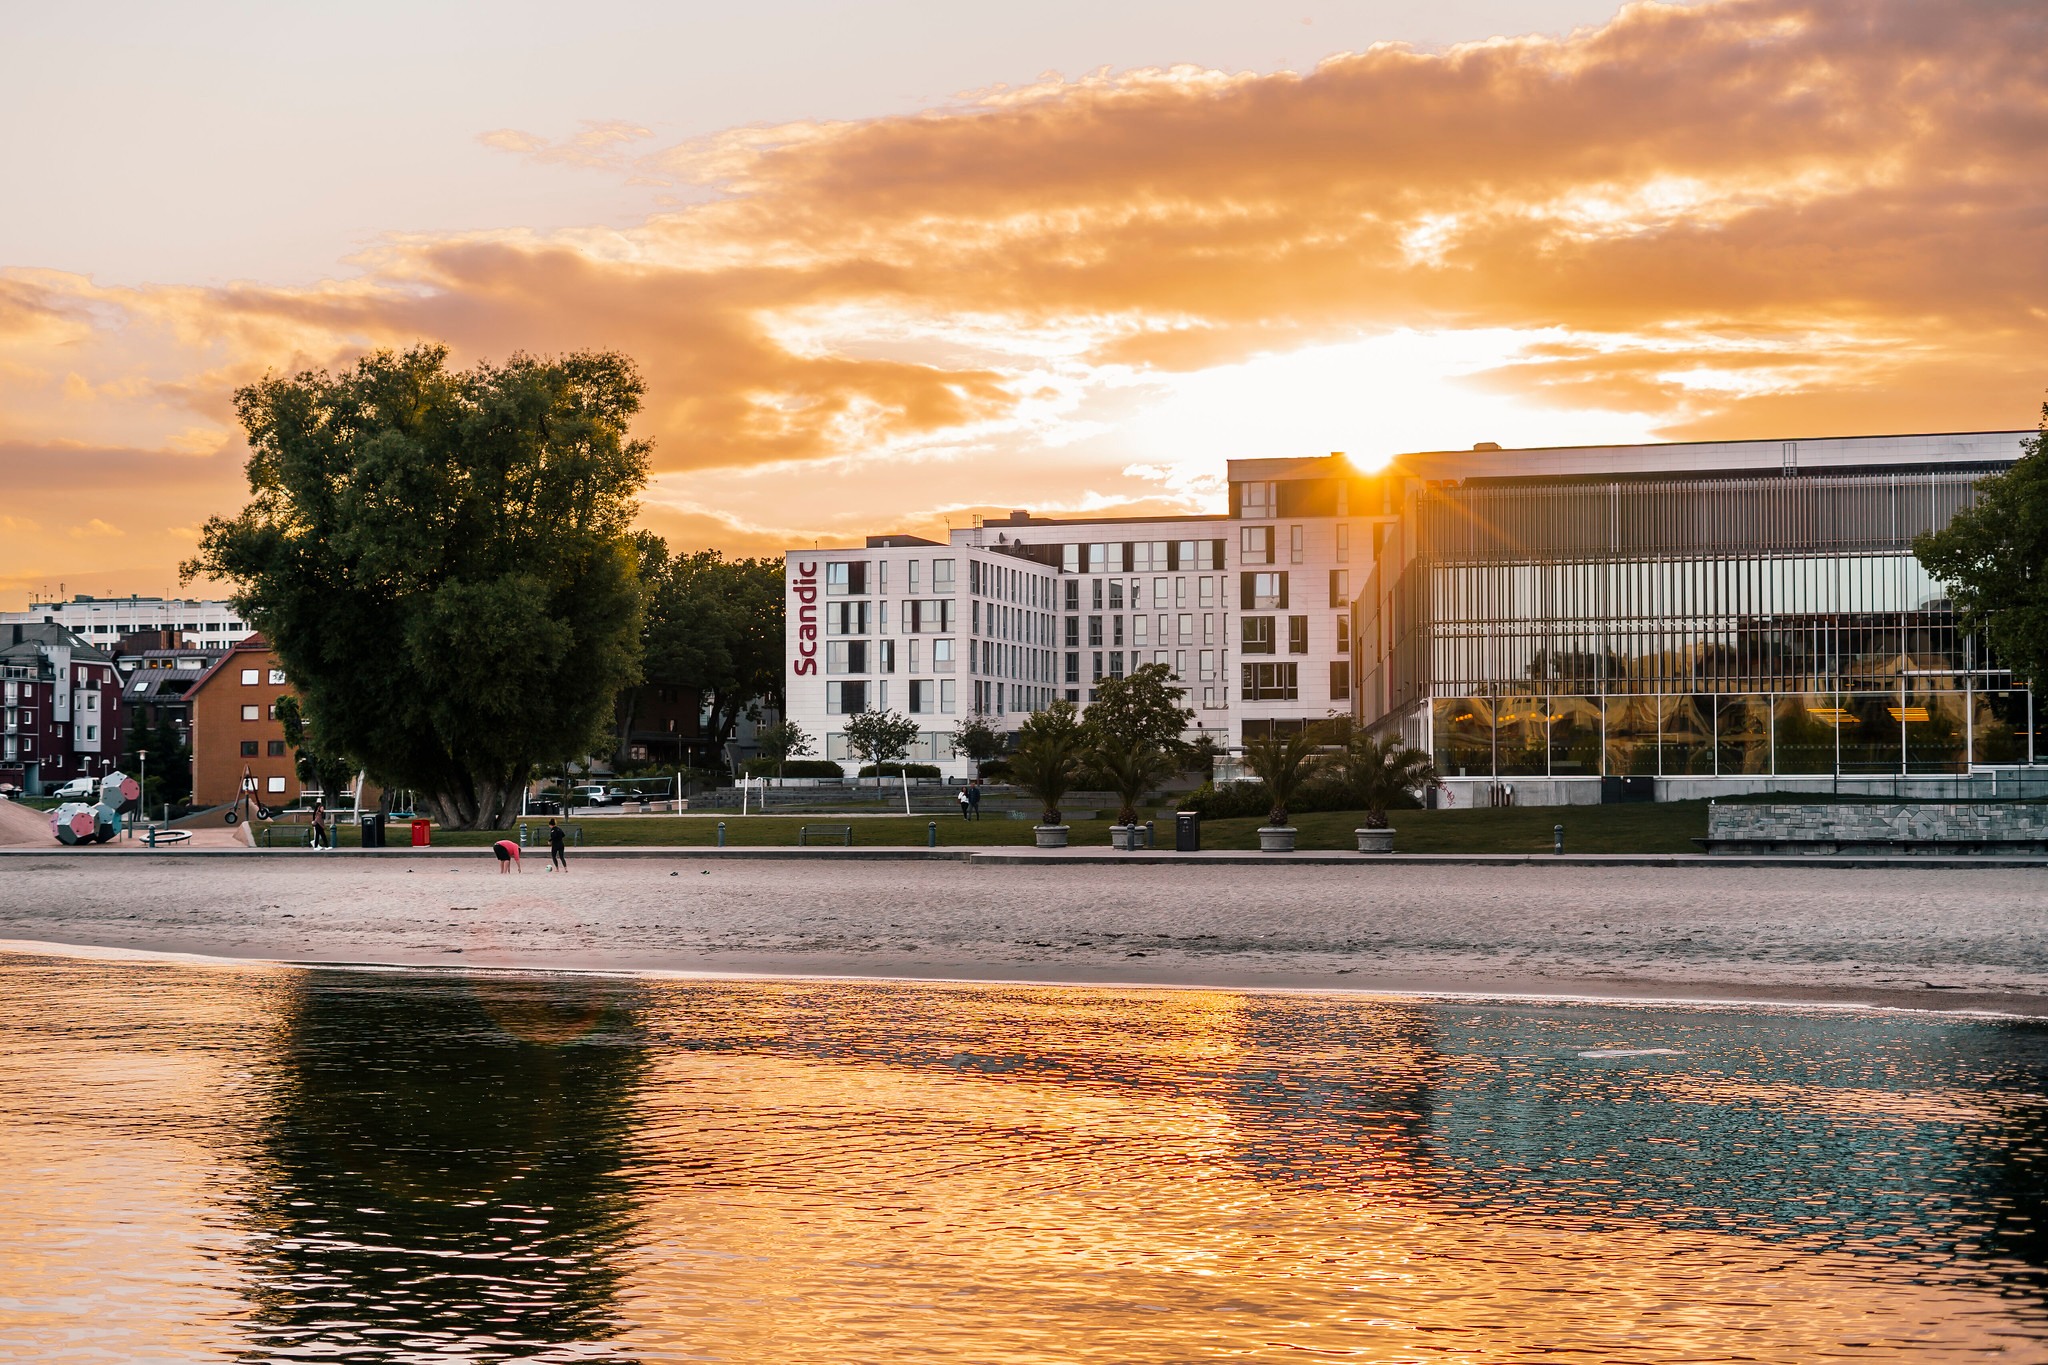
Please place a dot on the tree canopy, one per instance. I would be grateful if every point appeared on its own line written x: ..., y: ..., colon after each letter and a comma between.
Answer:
x: 440, y: 561
x: 1994, y: 559
x: 1138, y: 709
x: 713, y: 625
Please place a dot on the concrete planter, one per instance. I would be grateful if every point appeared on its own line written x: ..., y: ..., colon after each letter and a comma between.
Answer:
x: 1050, y: 836
x: 1129, y: 838
x: 1375, y: 840
x: 1276, y: 838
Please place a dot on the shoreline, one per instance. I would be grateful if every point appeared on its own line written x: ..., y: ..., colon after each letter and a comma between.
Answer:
x: 1612, y: 929
x: 1700, y: 995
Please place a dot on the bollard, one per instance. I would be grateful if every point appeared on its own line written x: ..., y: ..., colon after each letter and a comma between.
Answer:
x: 721, y: 834
x: 931, y: 835
x: 1557, y: 838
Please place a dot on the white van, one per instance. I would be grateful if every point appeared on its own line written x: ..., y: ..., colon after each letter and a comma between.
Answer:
x: 78, y: 789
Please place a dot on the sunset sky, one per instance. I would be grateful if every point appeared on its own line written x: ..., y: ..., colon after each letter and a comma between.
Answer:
x: 889, y: 265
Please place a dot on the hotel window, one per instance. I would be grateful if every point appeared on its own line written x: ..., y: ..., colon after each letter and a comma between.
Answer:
x: 1297, y: 545
x: 1180, y: 663
x: 846, y: 618
x: 933, y: 617
x: 277, y: 677
x: 846, y: 656
x: 1207, y: 659
x: 1094, y: 632
x: 1340, y: 680
x: 249, y: 676
x: 1259, y: 500
x: 1272, y: 682
x: 1255, y: 545
x: 912, y: 647
x: 942, y: 656
x: 1297, y: 635
x: 1116, y: 630
x: 882, y: 695
x: 1073, y: 636
x: 1257, y: 635
x: 274, y: 785
x: 1343, y: 543
x: 1095, y: 594
x: 1116, y: 663
x: 252, y: 713
x: 910, y: 576
x: 946, y: 695
x: 1096, y: 666
x: 1207, y: 596
x: 1343, y: 635
x: 942, y: 575
x: 881, y: 618
x: 1340, y: 587
x: 845, y: 698
x: 882, y: 578
x: 1187, y: 628
x: 920, y: 696
x: 1098, y: 559
x: 1197, y: 555
x: 1073, y: 667
x: 250, y: 748
x: 1137, y: 630
x: 1263, y: 592
x: 1116, y: 594
x: 886, y: 656
x: 1073, y: 594
x: 1180, y: 592
x: 92, y: 732
x: 1208, y: 628
x: 276, y: 748
x: 846, y: 579
x: 1070, y: 558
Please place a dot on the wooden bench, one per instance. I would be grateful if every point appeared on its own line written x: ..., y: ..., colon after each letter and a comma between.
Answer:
x: 845, y: 833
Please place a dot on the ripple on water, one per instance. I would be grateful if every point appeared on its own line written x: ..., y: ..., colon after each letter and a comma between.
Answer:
x: 273, y: 1164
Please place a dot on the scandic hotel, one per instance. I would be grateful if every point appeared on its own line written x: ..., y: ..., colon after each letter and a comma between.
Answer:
x: 1702, y: 618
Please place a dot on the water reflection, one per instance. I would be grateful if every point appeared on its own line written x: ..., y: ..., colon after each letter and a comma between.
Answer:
x: 439, y: 1169
x: 399, y: 1167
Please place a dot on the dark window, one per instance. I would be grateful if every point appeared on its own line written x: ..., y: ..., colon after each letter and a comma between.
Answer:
x: 1073, y: 630
x: 1272, y: 682
x: 1340, y: 680
x: 1073, y: 594
x: 1073, y: 667
x: 1258, y: 635
x: 249, y: 748
x: 1095, y: 630
x: 277, y: 748
x: 1297, y: 635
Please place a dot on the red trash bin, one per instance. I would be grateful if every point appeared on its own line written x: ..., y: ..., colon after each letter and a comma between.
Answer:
x: 420, y: 832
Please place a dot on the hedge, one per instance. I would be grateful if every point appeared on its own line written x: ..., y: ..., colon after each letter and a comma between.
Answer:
x: 898, y: 769
x: 795, y: 767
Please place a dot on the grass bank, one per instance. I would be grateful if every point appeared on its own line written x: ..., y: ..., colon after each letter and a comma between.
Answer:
x: 1668, y: 827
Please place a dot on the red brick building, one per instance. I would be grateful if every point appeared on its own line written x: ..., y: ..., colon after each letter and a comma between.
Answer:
x: 61, y: 714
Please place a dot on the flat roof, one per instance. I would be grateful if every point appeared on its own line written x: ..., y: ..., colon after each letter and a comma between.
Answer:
x: 1686, y: 457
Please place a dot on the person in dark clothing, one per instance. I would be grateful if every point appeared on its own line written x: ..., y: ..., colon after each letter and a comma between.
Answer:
x: 558, y: 861
x: 974, y: 797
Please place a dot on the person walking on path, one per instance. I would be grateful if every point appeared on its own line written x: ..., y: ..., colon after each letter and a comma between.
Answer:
x: 320, y: 824
x: 508, y: 855
x: 558, y: 861
x: 964, y: 803
x: 974, y: 797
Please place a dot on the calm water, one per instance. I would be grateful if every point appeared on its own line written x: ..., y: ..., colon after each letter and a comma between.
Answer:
x: 272, y: 1164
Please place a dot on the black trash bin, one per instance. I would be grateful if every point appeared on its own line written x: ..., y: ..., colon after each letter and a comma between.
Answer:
x: 373, y: 829
x: 1187, y: 831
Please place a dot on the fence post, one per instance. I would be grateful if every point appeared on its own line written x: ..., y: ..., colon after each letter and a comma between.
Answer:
x: 931, y: 835
x: 721, y: 834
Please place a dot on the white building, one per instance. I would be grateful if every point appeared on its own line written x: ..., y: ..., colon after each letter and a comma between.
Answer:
x: 104, y: 620
x: 1250, y: 610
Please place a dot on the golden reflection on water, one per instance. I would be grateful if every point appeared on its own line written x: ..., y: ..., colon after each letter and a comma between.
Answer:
x: 263, y: 1164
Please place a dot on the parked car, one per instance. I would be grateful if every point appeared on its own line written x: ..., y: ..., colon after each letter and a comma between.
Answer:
x: 596, y: 794
x: 78, y: 789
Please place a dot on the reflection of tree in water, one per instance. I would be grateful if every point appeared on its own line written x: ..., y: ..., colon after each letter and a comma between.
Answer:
x: 442, y: 1170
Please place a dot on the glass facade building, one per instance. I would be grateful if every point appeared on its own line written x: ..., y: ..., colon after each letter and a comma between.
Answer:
x: 1713, y: 611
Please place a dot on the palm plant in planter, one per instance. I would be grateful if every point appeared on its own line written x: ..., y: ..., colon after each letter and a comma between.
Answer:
x: 1045, y: 763
x: 1280, y: 762
x: 1133, y: 768
x: 1381, y: 773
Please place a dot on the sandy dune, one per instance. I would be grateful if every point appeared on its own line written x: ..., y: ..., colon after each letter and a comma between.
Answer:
x: 20, y: 826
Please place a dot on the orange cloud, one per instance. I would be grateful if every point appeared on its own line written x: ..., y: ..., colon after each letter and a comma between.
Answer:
x: 1740, y: 218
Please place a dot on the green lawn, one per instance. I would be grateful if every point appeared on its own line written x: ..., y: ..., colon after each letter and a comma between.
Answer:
x: 1663, y: 828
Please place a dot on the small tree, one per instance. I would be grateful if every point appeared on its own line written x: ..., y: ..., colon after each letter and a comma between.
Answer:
x: 1132, y: 770
x: 1281, y: 762
x: 1384, y: 772
x: 1048, y: 756
x: 1992, y: 557
x: 977, y: 737
x: 880, y: 737
x: 784, y: 740
x: 1142, y: 708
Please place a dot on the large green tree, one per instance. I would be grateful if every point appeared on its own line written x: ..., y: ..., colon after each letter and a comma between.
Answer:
x: 712, y: 625
x: 1142, y: 708
x: 1994, y: 559
x: 440, y: 560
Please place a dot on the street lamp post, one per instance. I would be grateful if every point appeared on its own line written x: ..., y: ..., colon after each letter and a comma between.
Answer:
x: 142, y: 797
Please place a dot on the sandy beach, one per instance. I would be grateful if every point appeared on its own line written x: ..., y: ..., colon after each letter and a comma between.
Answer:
x: 1932, y: 938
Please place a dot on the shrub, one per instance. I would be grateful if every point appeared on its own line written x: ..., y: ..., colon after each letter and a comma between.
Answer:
x: 898, y: 770
x: 996, y: 770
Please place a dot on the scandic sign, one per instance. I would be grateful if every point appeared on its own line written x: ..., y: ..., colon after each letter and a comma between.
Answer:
x: 804, y: 586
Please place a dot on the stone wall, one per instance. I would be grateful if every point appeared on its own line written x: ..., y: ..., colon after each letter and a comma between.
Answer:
x: 1926, y: 828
